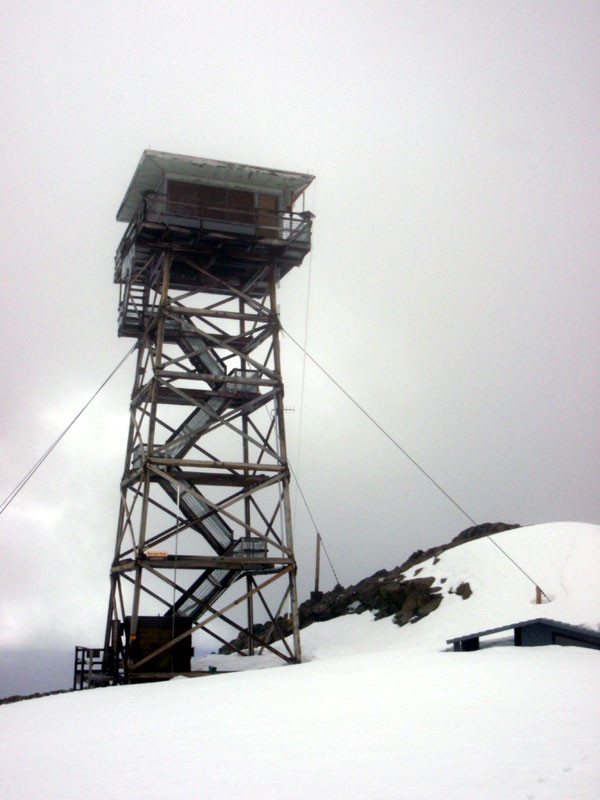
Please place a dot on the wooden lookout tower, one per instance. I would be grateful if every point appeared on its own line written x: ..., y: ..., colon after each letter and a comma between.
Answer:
x: 204, y: 536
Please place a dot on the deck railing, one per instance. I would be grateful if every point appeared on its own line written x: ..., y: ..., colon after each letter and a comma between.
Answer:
x: 283, y: 227
x: 88, y: 664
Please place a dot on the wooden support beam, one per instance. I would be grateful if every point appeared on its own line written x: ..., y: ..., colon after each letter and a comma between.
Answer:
x: 216, y: 478
x: 231, y: 465
x: 242, y: 563
x: 210, y: 619
x: 186, y: 311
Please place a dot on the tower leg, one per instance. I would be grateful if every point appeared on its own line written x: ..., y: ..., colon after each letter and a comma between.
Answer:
x: 285, y: 488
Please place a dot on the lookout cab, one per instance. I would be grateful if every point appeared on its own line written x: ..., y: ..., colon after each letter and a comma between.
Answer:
x: 204, y: 527
x: 240, y: 216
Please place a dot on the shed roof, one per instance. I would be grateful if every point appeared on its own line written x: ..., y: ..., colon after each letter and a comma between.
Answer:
x: 154, y: 165
x: 551, y: 623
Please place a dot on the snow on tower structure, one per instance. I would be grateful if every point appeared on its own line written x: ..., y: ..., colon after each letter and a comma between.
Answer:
x: 204, y: 526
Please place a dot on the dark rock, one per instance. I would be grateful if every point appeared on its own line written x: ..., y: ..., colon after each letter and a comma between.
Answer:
x: 464, y: 590
x: 16, y: 698
x: 420, y: 582
x: 428, y: 607
x: 386, y: 593
x: 477, y: 531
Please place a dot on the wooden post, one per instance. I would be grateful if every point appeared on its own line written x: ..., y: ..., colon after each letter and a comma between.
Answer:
x: 538, y: 595
x: 245, y: 459
x: 318, y: 563
x: 285, y: 483
x: 158, y: 347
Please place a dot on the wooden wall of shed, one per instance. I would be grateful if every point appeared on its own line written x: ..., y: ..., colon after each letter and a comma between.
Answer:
x: 154, y: 632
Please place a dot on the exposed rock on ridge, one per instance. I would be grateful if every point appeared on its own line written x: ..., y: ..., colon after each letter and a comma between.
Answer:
x: 386, y: 592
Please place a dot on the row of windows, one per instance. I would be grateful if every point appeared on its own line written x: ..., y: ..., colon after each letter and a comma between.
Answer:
x: 217, y: 202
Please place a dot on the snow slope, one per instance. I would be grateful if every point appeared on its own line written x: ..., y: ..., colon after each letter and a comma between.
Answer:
x: 376, y: 711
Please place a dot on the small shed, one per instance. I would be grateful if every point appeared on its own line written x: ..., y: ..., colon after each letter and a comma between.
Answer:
x: 533, y: 633
x: 153, y: 633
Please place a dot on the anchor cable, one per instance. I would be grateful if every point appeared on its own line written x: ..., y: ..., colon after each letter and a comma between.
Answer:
x: 409, y: 457
x: 27, y: 477
x: 310, y: 514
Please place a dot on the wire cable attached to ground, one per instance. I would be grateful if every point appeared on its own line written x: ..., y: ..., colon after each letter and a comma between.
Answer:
x: 27, y: 477
x: 407, y: 455
x: 310, y: 514
x: 328, y: 559
x: 379, y: 427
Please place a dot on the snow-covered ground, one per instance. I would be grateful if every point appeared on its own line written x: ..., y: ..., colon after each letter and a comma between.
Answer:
x: 376, y: 711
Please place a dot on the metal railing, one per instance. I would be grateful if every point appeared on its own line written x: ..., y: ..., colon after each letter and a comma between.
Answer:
x: 88, y: 664
x: 276, y: 224
x: 282, y: 226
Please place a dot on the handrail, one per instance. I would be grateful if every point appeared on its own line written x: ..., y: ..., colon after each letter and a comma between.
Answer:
x: 283, y: 226
x: 279, y: 221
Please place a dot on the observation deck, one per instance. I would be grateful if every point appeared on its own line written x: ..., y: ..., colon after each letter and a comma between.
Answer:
x: 234, y: 221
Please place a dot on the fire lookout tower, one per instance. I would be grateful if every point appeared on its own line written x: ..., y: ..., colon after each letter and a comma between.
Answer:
x: 204, y: 522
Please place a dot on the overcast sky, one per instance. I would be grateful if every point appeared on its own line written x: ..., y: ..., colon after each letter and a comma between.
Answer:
x: 454, y: 278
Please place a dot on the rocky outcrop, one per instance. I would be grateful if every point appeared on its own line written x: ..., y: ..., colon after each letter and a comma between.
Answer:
x: 475, y: 532
x: 385, y: 593
x: 16, y: 698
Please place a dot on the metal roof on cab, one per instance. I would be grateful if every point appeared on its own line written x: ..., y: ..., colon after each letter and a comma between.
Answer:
x: 154, y: 165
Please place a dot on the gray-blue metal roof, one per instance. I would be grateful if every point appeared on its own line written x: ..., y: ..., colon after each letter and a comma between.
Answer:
x: 552, y: 623
x: 154, y: 165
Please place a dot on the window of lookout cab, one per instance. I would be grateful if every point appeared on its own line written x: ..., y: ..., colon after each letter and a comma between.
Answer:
x: 223, y: 204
